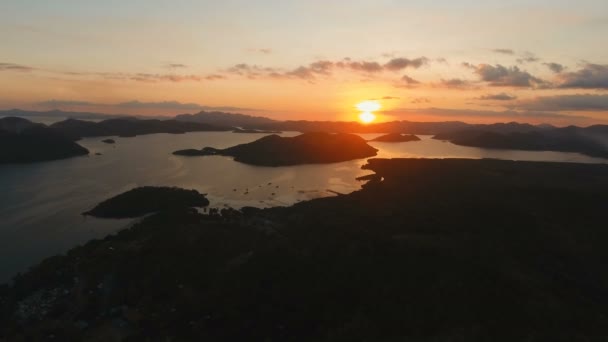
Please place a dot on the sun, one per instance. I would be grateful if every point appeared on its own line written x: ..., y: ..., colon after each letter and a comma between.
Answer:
x: 367, y: 117
x: 367, y: 108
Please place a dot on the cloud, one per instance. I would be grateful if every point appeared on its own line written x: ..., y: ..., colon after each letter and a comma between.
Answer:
x: 420, y: 100
x: 504, y: 51
x: 397, y: 64
x: 175, y: 66
x: 468, y: 113
x: 527, y: 57
x: 213, y: 77
x: 15, y: 67
x: 576, y: 102
x: 364, y: 66
x: 497, y: 97
x: 152, y: 78
x: 385, y: 98
x: 555, y: 67
x: 407, y: 82
x: 501, y: 76
x: 325, y: 68
x: 591, y: 76
x: 264, y: 51
x: 130, y: 105
x: 454, y: 83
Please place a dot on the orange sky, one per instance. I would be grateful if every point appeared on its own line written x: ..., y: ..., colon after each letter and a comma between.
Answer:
x: 452, y: 60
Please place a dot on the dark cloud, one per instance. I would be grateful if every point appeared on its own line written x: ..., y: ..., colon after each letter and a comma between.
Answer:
x: 555, y: 67
x: 576, y: 102
x: 397, y: 64
x: 501, y: 76
x: 454, y: 83
x: 390, y: 98
x: 15, y: 67
x: 591, y: 76
x: 363, y: 66
x: 464, y: 113
x: 408, y: 82
x: 504, y: 51
x: 497, y: 97
x: 161, y: 106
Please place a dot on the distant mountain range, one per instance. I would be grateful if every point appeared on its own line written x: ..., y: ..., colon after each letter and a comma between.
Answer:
x: 592, y: 140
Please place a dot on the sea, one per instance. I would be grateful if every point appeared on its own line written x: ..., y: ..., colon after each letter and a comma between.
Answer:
x: 41, y: 204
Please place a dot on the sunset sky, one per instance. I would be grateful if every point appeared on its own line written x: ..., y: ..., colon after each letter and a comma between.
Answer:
x: 476, y: 61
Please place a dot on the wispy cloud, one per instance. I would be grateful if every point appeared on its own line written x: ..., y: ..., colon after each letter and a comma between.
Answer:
x: 576, y: 102
x: 485, y: 114
x: 325, y: 68
x: 555, y: 67
x: 497, y: 97
x: 504, y: 51
x: 15, y: 67
x: 135, y: 104
x: 264, y: 51
x: 454, y: 83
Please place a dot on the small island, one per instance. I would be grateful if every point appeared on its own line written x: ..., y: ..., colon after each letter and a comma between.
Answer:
x: 146, y: 200
x: 255, y: 131
x: 396, y: 137
x: 22, y: 141
x: 109, y: 141
x: 307, y: 148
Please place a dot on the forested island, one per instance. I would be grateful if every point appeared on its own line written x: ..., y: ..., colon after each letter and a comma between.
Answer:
x: 307, y: 148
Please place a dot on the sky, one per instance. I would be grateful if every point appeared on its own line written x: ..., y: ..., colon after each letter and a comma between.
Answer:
x: 542, y: 61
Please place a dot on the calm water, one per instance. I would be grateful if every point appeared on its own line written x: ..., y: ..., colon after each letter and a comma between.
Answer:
x: 40, y: 204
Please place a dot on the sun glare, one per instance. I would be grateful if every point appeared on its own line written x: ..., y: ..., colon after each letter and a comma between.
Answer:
x: 367, y: 108
x: 367, y: 117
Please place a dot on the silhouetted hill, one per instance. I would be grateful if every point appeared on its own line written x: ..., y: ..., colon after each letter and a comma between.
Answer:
x: 396, y: 137
x: 307, y: 148
x: 60, y: 114
x: 226, y: 119
x: 569, y: 139
x: 430, y: 250
x: 144, y: 200
x: 22, y: 141
x: 129, y: 127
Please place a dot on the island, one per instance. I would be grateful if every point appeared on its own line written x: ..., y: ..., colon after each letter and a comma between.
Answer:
x: 22, y: 141
x: 588, y: 141
x: 396, y: 137
x: 109, y: 141
x: 307, y: 148
x: 431, y: 250
x: 145, y: 200
x: 255, y: 131
x: 130, y: 127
